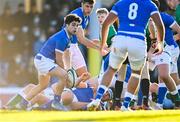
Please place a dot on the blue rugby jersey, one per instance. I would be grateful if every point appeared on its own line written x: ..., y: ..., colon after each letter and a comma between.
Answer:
x: 57, y: 42
x: 84, y: 94
x: 168, y: 21
x: 133, y: 16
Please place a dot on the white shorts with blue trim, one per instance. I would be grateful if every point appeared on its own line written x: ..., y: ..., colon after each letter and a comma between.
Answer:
x: 163, y: 58
x: 174, y: 57
x: 44, y: 65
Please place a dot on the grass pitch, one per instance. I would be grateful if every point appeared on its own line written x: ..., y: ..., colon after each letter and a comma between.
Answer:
x: 84, y: 116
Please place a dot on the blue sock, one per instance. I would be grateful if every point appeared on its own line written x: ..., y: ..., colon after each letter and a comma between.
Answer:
x: 100, y: 92
x: 161, y: 93
x: 57, y: 98
x: 127, y: 99
x: 126, y: 102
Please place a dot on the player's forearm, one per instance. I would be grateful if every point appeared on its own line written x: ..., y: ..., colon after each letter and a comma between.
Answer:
x: 152, y: 30
x: 67, y: 60
x: 60, y: 63
x: 160, y: 33
x: 111, y: 18
x: 105, y: 30
x: 160, y: 27
x: 88, y: 43
x: 59, y: 59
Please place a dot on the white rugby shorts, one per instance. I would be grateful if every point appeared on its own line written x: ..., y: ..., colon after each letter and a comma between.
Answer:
x: 174, y: 52
x: 77, y: 57
x: 44, y: 65
x: 123, y: 46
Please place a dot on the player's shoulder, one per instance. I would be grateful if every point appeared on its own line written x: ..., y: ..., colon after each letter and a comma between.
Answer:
x: 127, y: 2
x: 165, y: 14
x: 166, y: 17
x: 77, y: 11
x: 120, y: 2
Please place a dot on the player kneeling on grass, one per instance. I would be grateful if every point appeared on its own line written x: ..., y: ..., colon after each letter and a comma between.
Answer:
x: 71, y: 99
x: 78, y: 98
x: 50, y: 62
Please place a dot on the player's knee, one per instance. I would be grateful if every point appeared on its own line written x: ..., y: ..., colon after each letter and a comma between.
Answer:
x: 67, y: 97
x: 136, y: 74
x: 164, y: 76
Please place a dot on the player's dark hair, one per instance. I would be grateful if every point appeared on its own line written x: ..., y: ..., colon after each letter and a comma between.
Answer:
x: 72, y: 17
x: 157, y: 3
x: 89, y: 1
x: 161, y: 5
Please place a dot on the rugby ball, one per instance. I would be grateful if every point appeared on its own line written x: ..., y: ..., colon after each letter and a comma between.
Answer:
x: 72, y: 77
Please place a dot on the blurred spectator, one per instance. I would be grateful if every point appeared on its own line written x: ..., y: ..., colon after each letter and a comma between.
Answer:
x: 20, y: 17
x: 61, y: 14
x: 48, y: 17
x: 6, y: 19
x: 39, y: 43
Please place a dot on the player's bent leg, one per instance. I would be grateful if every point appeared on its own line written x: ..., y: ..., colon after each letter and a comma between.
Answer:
x: 136, y: 66
x: 119, y: 86
x: 62, y: 75
x: 13, y: 103
x: 175, y: 77
x: 163, y: 71
x: 122, y: 72
x: 144, y: 86
x: 43, y: 84
x: 63, y: 80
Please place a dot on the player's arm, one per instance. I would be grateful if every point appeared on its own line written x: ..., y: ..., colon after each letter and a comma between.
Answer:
x: 59, y: 59
x: 67, y: 59
x: 160, y: 31
x: 152, y: 30
x: 85, y: 41
x: 175, y: 27
x: 111, y: 18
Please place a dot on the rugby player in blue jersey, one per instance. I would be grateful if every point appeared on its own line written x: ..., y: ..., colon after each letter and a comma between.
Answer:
x: 167, y: 62
x: 50, y: 61
x: 72, y: 99
x: 133, y: 16
x: 83, y: 12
